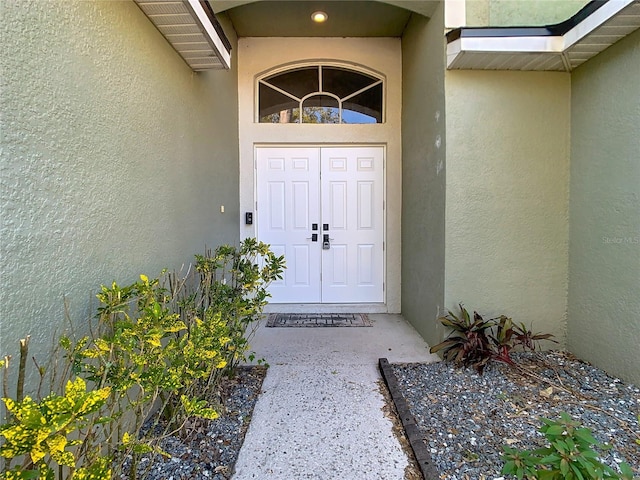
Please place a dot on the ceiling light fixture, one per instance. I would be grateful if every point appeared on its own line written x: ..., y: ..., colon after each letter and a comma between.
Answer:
x: 319, y: 16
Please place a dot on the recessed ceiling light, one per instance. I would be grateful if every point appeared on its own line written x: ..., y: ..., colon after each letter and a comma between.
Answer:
x: 319, y: 16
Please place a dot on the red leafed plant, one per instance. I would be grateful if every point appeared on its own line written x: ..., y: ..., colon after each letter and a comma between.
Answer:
x: 474, y: 342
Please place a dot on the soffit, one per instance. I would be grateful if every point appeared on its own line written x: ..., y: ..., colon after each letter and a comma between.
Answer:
x: 560, y: 47
x: 276, y: 18
x: 423, y: 7
x: 192, y: 30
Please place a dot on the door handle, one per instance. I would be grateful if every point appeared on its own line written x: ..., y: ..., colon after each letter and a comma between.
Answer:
x: 326, y: 244
x: 313, y: 237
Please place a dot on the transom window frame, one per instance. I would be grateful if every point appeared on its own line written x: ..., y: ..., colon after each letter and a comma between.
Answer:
x: 353, y: 67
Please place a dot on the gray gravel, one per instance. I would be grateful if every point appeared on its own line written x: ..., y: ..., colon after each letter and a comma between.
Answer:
x: 208, y: 449
x: 465, y: 418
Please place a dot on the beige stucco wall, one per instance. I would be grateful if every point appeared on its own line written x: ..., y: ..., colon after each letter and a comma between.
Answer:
x: 383, y: 55
x: 604, y: 267
x: 507, y: 195
x: 423, y: 173
x: 115, y: 160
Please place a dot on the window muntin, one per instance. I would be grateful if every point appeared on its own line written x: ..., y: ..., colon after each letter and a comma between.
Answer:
x: 299, y: 82
x: 323, y: 94
x: 363, y: 104
x: 345, y: 82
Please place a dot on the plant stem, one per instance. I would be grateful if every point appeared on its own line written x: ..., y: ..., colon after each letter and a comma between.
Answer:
x: 5, y: 380
x: 24, y: 352
x: 524, y: 371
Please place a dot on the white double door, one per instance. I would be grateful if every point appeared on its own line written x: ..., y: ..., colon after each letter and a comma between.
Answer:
x: 323, y: 209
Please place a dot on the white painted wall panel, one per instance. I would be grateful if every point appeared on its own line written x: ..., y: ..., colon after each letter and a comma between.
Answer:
x: 338, y: 205
x: 365, y: 206
x: 300, y: 206
x: 277, y: 206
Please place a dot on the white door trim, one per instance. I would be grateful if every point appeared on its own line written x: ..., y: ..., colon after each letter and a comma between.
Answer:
x: 384, y: 55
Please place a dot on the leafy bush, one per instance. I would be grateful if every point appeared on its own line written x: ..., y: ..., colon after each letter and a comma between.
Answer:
x: 569, y: 455
x: 40, y: 432
x: 474, y: 342
x: 509, y: 335
x: 156, y: 346
x: 468, y: 342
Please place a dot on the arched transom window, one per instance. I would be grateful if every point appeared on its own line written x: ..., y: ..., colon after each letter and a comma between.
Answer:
x: 320, y: 94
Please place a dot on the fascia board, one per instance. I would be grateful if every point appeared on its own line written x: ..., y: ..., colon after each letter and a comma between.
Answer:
x: 453, y: 52
x: 535, y: 44
x: 593, y: 21
x: 223, y: 54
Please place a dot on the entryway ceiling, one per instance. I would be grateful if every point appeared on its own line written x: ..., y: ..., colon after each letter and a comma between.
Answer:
x: 292, y: 18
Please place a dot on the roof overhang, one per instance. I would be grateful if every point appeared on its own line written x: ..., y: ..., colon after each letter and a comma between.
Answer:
x: 560, y: 47
x: 192, y: 29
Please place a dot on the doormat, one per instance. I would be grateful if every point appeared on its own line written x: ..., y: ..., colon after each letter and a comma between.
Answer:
x: 318, y: 320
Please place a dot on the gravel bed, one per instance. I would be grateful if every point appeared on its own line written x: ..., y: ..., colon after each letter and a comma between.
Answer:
x: 208, y: 449
x: 465, y: 419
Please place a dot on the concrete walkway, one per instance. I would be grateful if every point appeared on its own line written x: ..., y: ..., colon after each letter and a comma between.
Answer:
x: 320, y: 414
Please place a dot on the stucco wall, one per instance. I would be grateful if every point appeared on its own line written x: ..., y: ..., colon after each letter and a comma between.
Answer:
x: 115, y: 159
x: 423, y: 173
x: 532, y: 12
x: 507, y: 195
x: 604, y: 267
x: 520, y: 13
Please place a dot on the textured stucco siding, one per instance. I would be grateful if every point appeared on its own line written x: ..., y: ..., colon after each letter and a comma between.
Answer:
x: 507, y: 195
x: 502, y: 13
x: 532, y: 12
x: 423, y: 173
x: 115, y: 159
x: 604, y: 266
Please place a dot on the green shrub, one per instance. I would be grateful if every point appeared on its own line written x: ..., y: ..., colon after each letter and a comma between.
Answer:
x: 49, y: 436
x: 156, y: 346
x: 568, y: 456
x: 474, y: 342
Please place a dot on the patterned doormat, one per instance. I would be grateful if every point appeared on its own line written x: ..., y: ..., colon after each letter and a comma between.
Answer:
x: 318, y: 320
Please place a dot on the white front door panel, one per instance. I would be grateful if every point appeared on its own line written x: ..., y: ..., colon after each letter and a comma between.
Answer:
x: 339, y: 189
x: 352, y: 206
x: 288, y: 198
